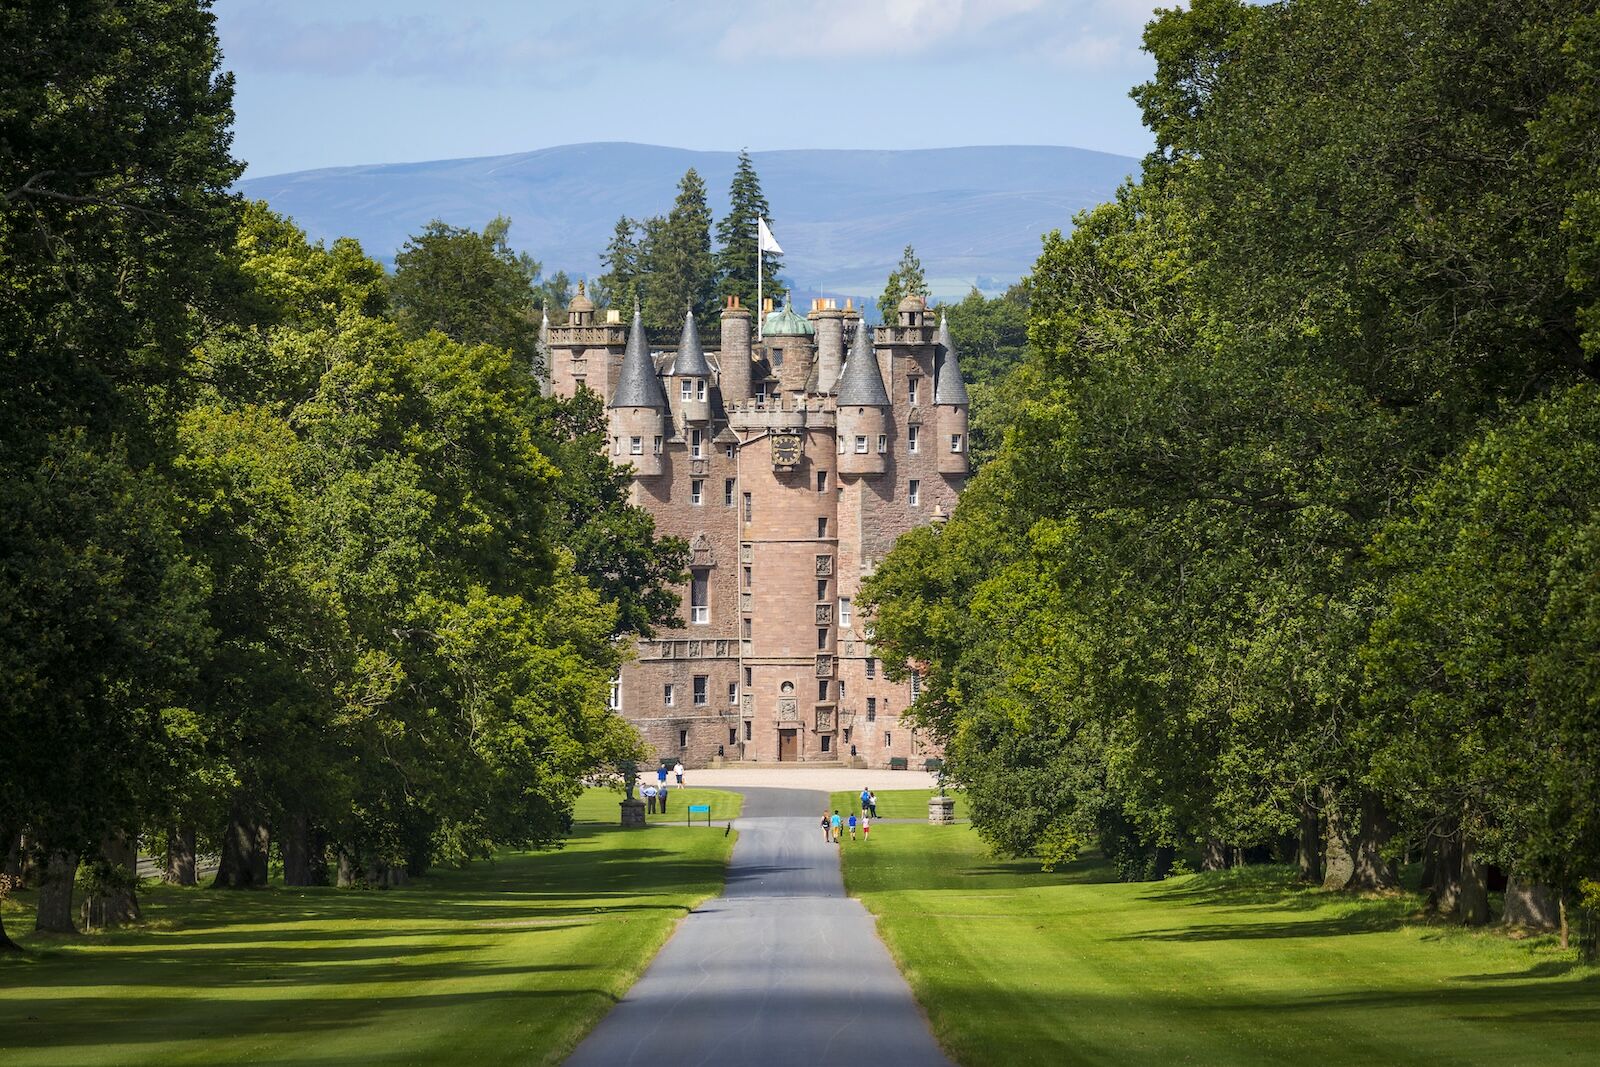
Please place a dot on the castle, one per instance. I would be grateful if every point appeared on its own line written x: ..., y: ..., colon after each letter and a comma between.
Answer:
x: 790, y: 469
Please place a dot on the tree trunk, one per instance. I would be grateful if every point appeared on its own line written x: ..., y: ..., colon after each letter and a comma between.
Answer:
x: 55, y: 894
x: 115, y: 904
x: 1474, y: 888
x: 6, y: 944
x: 1530, y: 904
x: 1214, y: 855
x: 1566, y: 939
x: 1165, y: 854
x: 1338, y: 865
x: 13, y: 863
x: 181, y: 865
x: 1444, y: 891
x: 243, y: 862
x: 1370, y: 870
x: 349, y: 872
x: 1308, y: 851
x: 295, y: 844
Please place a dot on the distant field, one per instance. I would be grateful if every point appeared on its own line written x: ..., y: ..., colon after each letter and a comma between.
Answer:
x: 894, y: 803
x: 600, y: 806
x: 506, y: 962
x: 1017, y: 966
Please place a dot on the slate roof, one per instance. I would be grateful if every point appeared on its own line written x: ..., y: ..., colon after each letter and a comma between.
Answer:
x: 691, y: 359
x: 948, y: 388
x: 861, y: 384
x: 637, y: 384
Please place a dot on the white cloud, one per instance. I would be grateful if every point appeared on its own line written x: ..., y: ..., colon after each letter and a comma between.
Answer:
x: 843, y: 28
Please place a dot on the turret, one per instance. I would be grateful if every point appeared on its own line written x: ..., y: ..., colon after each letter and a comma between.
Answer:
x: 691, y: 374
x: 581, y: 311
x: 863, y: 411
x: 734, y: 359
x: 828, y: 321
x: 638, y: 409
x: 949, y: 404
x: 790, y: 348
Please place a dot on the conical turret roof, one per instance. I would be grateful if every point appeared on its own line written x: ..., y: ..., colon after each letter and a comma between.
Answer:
x: 691, y: 359
x: 948, y: 388
x: 637, y: 384
x: 861, y: 384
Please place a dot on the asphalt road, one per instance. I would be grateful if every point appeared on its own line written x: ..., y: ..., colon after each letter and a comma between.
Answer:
x: 782, y: 969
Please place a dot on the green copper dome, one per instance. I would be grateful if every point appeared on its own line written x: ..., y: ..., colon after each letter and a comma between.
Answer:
x: 786, y: 323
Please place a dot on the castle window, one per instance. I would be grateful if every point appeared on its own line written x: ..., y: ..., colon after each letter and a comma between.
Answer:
x: 747, y: 725
x: 861, y: 444
x: 822, y: 589
x: 697, y: 491
x: 727, y: 492
x: 616, y: 446
x: 695, y: 449
x: 955, y: 442
x: 747, y: 675
x: 916, y: 685
x: 911, y: 388
x: 872, y: 709
x: 844, y: 611
x: 912, y: 434
x: 749, y: 575
x: 749, y: 511
x: 733, y: 736
x: 746, y: 629
x: 914, y: 493
x: 699, y: 611
x: 683, y: 738
x: 872, y: 667
x: 614, y: 702
x: 827, y: 743
x: 822, y: 689
x: 635, y: 446
x: 822, y: 481
x: 658, y: 444
x: 685, y: 389
x: 822, y: 526
x: 840, y: 442
x: 729, y: 451
x: 888, y: 739
x: 699, y: 388
x: 841, y: 700
x: 883, y: 443
x: 822, y: 639
x: 666, y: 694
x: 733, y: 698
x: 700, y: 692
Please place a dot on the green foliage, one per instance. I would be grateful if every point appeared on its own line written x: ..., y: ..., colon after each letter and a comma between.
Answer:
x: 736, y: 240
x: 676, y: 264
x: 1289, y: 511
x: 905, y: 280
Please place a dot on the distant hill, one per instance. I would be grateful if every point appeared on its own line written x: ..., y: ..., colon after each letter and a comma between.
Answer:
x: 975, y: 215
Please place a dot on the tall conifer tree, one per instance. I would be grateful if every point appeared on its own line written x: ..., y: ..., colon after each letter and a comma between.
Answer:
x: 905, y: 280
x: 677, y: 261
x: 736, y: 236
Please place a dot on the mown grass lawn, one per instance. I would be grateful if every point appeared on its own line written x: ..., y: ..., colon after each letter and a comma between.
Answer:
x: 1017, y: 966
x: 600, y: 806
x: 894, y: 803
x: 505, y: 962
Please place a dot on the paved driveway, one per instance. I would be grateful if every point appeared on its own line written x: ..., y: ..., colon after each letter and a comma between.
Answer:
x: 782, y: 969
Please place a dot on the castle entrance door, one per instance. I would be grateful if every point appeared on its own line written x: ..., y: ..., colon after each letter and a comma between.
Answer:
x: 788, y: 746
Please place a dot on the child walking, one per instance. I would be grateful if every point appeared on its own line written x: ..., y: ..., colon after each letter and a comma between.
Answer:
x: 866, y: 827
x: 852, y: 826
x: 827, y: 827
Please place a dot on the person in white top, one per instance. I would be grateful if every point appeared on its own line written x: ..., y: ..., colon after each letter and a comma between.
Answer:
x: 678, y: 772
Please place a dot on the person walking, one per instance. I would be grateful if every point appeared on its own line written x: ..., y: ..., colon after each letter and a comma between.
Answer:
x: 827, y: 827
x: 650, y: 798
x: 852, y: 826
x: 677, y: 772
x: 866, y: 799
x: 838, y: 826
x: 661, y: 775
x: 661, y: 797
x: 872, y: 799
x: 866, y: 827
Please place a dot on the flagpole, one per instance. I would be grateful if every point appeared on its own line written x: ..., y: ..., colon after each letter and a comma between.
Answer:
x: 761, y: 310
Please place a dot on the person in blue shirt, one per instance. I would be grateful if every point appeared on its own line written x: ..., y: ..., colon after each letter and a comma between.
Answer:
x: 838, y: 825
x: 852, y: 826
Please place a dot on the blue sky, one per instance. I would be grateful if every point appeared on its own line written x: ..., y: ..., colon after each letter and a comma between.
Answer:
x: 360, y: 81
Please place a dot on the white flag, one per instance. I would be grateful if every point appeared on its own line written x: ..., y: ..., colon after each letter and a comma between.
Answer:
x: 764, y: 239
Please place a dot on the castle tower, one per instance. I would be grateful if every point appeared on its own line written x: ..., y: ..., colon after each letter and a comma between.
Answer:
x: 828, y: 321
x: 950, y: 406
x: 788, y: 339
x: 734, y: 358
x: 638, y: 408
x: 863, y: 412
x: 583, y: 353
x: 692, y: 375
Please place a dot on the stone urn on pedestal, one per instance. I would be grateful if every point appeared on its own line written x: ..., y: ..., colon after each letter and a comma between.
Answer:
x: 632, y: 808
x: 941, y: 808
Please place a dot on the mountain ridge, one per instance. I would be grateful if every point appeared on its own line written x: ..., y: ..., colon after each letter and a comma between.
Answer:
x: 975, y: 213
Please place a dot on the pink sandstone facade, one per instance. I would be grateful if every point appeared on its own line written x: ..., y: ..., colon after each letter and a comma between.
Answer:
x: 790, y: 470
